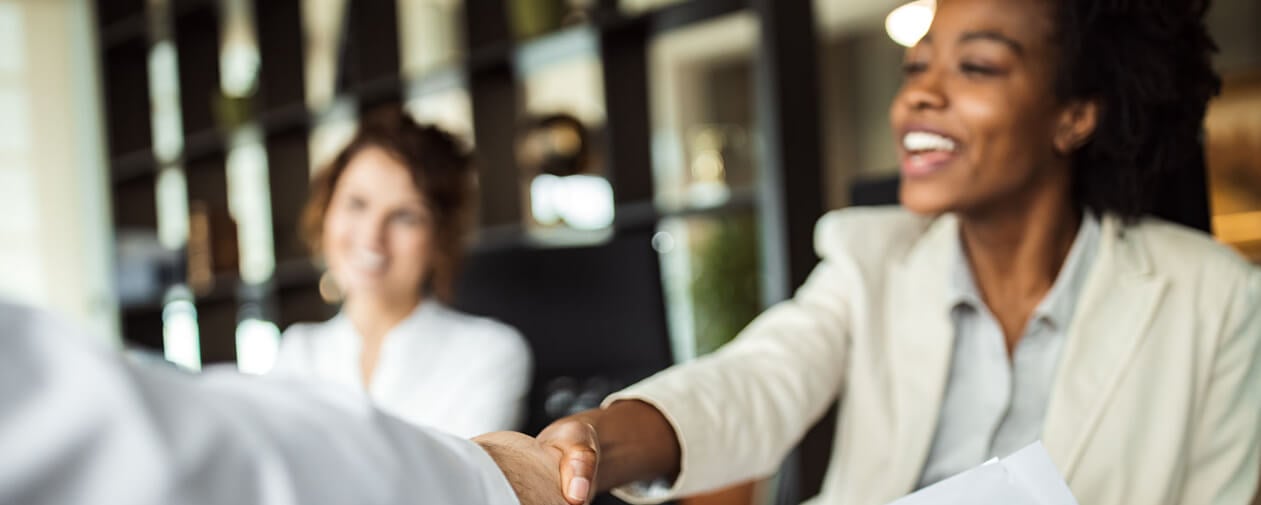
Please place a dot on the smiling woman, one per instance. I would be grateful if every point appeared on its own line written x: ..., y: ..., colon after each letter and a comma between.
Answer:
x: 1019, y: 295
x: 388, y: 216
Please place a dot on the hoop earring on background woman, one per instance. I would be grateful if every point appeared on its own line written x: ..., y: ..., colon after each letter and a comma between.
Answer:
x: 330, y: 292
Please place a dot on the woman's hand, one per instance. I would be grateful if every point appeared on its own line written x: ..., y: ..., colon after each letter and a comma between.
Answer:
x: 576, y: 439
x: 628, y: 441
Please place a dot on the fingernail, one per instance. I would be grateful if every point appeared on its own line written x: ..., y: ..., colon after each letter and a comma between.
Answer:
x: 579, y: 487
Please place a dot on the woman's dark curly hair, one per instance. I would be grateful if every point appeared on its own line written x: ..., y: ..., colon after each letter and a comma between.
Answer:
x: 1148, y: 63
x: 441, y: 169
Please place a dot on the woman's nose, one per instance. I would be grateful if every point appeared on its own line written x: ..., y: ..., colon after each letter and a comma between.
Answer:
x: 924, y: 92
x: 371, y: 231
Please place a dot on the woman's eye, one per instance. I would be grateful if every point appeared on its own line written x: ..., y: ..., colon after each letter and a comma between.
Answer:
x: 911, y: 68
x: 407, y: 218
x: 356, y: 204
x: 978, y: 69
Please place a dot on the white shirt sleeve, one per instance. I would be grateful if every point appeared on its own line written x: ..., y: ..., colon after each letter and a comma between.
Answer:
x: 82, y: 425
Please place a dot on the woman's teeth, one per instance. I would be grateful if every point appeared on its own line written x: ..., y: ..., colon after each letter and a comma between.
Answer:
x: 366, y: 260
x: 917, y: 142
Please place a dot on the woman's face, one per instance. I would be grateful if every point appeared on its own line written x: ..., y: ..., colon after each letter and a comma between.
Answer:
x: 378, y: 233
x: 977, y: 122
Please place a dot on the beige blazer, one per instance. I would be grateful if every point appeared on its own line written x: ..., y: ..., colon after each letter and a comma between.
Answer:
x: 1156, y: 401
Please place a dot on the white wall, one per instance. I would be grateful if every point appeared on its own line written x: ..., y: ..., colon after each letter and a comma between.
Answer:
x: 55, y: 245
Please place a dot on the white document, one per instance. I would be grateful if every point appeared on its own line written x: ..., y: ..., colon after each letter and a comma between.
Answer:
x: 1027, y: 477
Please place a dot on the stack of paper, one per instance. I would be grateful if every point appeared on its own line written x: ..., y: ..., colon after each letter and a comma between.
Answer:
x: 1027, y: 477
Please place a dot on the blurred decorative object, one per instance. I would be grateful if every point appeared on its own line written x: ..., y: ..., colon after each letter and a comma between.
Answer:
x: 201, y: 271
x: 583, y: 202
x: 145, y: 267
x: 181, y: 338
x: 1233, y: 155
x: 556, y: 145
x: 212, y: 246
x: 717, y: 154
x: 908, y: 23
x: 564, y: 190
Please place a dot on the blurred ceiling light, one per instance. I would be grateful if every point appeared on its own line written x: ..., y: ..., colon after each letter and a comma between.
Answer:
x: 908, y: 23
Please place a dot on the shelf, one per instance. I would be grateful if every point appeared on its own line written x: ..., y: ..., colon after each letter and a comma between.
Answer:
x: 488, y: 57
x: 202, y: 145
x: 295, y: 273
x: 187, y: 7
x: 141, y: 308
x: 378, y: 90
x: 286, y: 119
x: 132, y: 166
x: 684, y: 14
x: 133, y: 26
x: 639, y: 214
x: 529, y: 55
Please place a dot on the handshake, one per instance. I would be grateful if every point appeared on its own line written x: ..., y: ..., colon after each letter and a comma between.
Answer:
x: 628, y: 441
x: 557, y: 468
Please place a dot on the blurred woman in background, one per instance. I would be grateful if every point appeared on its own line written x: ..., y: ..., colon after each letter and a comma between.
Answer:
x: 1020, y: 295
x: 388, y: 216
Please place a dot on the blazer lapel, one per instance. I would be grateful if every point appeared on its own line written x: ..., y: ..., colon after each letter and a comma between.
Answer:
x: 921, y: 341
x: 1113, y: 316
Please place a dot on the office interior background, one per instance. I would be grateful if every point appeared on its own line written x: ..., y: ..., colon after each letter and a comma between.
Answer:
x: 155, y: 157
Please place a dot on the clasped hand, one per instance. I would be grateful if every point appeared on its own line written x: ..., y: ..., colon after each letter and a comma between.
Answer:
x: 557, y: 468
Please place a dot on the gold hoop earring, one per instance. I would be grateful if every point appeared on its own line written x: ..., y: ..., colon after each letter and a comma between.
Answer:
x: 330, y: 292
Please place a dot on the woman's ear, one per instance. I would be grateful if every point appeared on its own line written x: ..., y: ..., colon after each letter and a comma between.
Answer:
x: 1076, y: 124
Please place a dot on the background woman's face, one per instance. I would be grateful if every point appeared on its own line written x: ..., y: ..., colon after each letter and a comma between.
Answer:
x: 976, y: 116
x: 378, y: 234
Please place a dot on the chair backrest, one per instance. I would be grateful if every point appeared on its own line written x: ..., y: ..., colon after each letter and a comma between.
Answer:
x: 594, y: 316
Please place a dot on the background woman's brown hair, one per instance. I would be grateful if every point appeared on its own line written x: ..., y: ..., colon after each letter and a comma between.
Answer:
x: 441, y: 170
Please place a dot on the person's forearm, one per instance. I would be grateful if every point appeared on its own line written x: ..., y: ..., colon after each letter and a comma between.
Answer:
x: 636, y: 443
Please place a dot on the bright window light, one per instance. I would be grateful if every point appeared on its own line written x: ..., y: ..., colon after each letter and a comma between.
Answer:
x: 181, y: 341
x: 257, y: 344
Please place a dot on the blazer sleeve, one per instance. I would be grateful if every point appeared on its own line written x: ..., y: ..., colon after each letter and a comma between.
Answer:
x: 1223, y: 469
x: 739, y: 411
x: 87, y: 426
